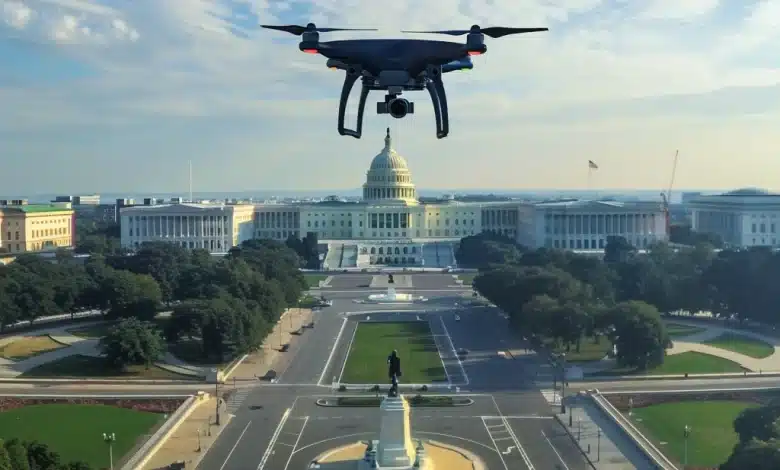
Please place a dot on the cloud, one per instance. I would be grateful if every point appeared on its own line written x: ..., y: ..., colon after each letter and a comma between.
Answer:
x: 152, y: 64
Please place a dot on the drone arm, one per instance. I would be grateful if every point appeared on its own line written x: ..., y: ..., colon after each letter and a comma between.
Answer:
x: 435, y: 87
x: 362, y: 108
x: 349, y: 82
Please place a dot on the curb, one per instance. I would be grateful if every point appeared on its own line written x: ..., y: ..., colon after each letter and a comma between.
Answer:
x: 77, y: 381
x: 154, y: 443
x: 232, y: 367
x: 324, y: 402
x: 628, y: 378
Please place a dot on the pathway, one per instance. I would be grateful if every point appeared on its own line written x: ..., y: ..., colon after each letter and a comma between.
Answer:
x: 695, y: 343
x: 75, y: 345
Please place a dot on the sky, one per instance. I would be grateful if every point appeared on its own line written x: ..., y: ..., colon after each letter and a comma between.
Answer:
x: 119, y: 95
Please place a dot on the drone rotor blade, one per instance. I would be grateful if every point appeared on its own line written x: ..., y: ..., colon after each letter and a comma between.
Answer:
x: 493, y: 32
x: 451, y: 32
x: 299, y: 30
x: 499, y: 32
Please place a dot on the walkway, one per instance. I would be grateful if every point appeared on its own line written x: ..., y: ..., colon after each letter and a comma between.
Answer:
x: 75, y: 345
x: 694, y: 343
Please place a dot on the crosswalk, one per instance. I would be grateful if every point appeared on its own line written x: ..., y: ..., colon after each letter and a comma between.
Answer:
x: 237, y: 399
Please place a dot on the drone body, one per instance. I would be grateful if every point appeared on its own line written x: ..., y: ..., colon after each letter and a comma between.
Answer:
x: 396, y: 66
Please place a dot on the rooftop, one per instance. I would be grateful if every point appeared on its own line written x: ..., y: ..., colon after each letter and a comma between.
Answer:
x: 749, y: 192
x: 35, y: 208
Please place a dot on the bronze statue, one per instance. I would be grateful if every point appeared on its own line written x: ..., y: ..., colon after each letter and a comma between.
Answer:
x: 393, y: 371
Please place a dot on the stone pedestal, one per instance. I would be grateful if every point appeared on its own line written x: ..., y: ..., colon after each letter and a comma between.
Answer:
x: 395, y: 448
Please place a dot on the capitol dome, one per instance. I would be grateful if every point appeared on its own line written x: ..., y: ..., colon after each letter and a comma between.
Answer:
x: 389, y: 180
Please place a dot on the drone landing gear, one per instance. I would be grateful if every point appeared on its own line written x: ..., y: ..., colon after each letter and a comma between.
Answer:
x: 435, y: 87
x: 349, y: 82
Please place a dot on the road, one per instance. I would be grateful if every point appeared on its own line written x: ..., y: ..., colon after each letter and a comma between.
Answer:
x: 509, y: 426
x: 278, y: 426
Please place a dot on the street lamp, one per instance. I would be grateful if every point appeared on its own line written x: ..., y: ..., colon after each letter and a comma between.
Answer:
x: 109, y: 439
x: 686, y: 434
x: 563, y: 382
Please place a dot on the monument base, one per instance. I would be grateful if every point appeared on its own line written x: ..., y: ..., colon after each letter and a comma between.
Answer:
x: 439, y: 457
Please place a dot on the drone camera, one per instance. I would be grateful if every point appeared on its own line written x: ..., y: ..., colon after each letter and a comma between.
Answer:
x: 395, y: 107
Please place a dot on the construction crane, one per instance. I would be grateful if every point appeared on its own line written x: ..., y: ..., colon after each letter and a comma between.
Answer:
x: 666, y: 197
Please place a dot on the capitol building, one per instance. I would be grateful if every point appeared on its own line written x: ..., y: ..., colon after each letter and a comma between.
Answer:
x: 391, y: 226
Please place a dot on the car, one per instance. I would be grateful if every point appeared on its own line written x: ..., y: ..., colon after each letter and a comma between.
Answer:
x: 457, y: 317
x: 463, y: 352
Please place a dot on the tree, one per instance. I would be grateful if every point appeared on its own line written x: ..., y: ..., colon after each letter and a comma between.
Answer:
x: 485, y: 249
x: 132, y: 295
x: 755, y: 455
x: 5, y: 459
x: 132, y: 342
x: 640, y: 335
x: 758, y: 423
x: 17, y: 454
x: 41, y: 457
x: 617, y: 249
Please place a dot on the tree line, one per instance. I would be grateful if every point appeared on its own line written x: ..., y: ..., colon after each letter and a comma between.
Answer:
x: 230, y: 304
x: 565, y: 296
x: 32, y: 455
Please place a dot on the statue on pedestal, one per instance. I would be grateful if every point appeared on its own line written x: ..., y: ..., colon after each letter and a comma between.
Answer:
x: 393, y: 371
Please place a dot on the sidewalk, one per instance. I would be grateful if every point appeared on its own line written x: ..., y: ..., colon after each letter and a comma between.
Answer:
x: 602, y: 442
x: 268, y: 357
x: 192, y: 439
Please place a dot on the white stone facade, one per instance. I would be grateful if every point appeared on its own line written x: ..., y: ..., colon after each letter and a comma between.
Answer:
x: 742, y: 218
x: 390, y: 226
x: 214, y: 227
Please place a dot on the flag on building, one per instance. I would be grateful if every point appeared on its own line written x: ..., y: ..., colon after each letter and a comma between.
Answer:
x: 592, y: 165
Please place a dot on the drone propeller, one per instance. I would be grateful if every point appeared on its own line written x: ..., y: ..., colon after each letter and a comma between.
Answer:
x: 299, y: 30
x: 494, y: 32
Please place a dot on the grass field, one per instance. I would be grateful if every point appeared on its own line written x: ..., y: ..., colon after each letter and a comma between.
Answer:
x: 29, y: 346
x: 75, y: 431
x: 589, y: 351
x: 92, y: 331
x: 743, y: 345
x: 314, y: 279
x: 689, y: 362
x: 367, y: 359
x: 676, y: 330
x: 87, y: 366
x: 712, y: 435
x: 191, y: 351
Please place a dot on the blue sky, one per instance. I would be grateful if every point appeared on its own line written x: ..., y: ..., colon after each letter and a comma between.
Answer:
x: 117, y: 96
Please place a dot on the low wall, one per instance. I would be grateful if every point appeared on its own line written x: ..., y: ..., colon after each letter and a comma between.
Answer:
x: 151, y: 446
x: 643, y: 443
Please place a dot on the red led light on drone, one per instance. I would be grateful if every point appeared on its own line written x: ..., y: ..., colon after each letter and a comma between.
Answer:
x: 475, y: 52
x: 310, y: 51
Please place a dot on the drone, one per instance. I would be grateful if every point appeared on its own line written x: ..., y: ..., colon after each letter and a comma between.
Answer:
x: 396, y: 66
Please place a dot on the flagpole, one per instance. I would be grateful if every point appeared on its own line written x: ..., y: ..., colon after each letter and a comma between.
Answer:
x: 590, y: 179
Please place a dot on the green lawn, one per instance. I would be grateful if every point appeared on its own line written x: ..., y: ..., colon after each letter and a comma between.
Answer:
x: 309, y: 301
x: 75, y: 431
x: 689, y: 362
x: 191, y: 351
x: 676, y: 330
x: 692, y: 362
x: 712, y: 435
x: 589, y: 350
x: 743, y: 345
x: 88, y: 366
x: 314, y: 279
x: 92, y: 331
x: 367, y: 359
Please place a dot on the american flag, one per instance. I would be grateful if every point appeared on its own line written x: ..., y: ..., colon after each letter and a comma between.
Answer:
x: 592, y: 165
